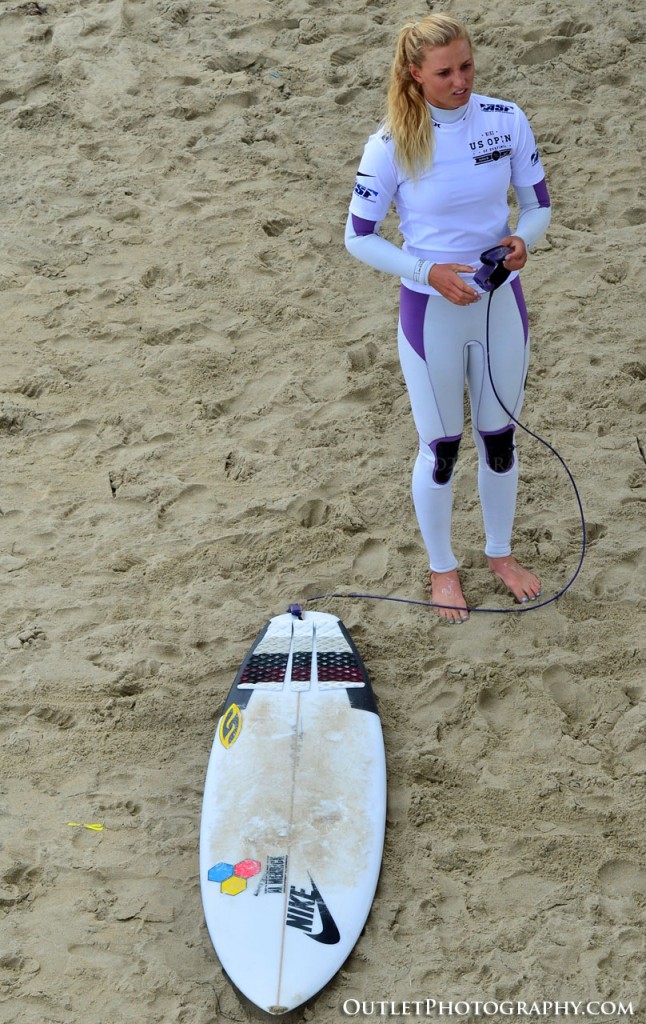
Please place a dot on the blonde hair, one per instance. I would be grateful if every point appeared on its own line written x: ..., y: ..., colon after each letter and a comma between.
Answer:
x: 408, y: 119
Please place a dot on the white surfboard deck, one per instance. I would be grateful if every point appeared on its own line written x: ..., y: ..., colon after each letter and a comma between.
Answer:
x: 294, y: 812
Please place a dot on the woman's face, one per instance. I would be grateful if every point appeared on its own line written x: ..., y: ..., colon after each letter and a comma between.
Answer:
x: 446, y: 74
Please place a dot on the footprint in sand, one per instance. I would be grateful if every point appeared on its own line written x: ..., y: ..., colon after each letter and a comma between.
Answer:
x: 372, y: 561
x: 62, y: 719
x: 15, y: 968
x: 311, y: 31
x: 613, y: 272
x: 275, y: 227
x: 398, y: 803
x: 192, y: 502
x: 16, y: 884
x: 500, y: 709
x: 629, y: 732
x: 622, y: 878
x: 345, y: 55
x: 311, y: 513
x: 179, y: 14
x: 232, y: 62
x: 237, y: 467
x: 544, y: 52
x: 134, y: 16
x: 634, y: 215
x: 567, y: 29
x: 594, y: 531
x: 552, y: 142
x: 41, y: 384
x: 565, y: 693
x: 344, y: 98
x: 118, y: 808
x: 14, y: 418
x: 125, y: 687
x: 446, y: 700
x: 411, y: 922
x: 623, y: 580
x: 362, y: 356
x: 635, y: 370
x: 637, y: 479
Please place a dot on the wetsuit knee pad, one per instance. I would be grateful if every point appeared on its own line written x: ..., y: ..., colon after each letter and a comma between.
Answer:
x: 500, y: 449
x: 445, y: 451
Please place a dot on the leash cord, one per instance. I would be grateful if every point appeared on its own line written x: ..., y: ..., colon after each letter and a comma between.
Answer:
x: 493, y: 611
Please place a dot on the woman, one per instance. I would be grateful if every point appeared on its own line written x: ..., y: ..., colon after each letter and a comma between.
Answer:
x: 446, y: 158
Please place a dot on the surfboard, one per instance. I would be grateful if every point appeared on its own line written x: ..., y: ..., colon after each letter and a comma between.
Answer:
x: 294, y: 811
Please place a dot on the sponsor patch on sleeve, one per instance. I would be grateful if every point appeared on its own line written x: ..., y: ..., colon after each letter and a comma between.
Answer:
x: 361, y: 190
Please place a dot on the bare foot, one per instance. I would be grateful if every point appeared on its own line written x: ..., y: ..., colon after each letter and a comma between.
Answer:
x: 522, y: 583
x: 446, y: 590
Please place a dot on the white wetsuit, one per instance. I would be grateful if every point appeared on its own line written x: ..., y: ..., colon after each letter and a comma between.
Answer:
x: 450, y: 214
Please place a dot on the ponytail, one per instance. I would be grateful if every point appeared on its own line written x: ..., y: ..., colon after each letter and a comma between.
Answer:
x: 408, y: 118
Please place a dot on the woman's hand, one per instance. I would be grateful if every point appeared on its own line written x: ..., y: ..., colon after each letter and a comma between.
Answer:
x: 444, y: 277
x: 517, y: 258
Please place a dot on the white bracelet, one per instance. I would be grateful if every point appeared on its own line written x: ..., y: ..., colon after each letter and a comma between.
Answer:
x: 420, y: 274
x: 422, y: 270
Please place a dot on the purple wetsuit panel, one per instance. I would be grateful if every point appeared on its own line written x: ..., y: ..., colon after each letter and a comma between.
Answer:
x: 495, y: 433
x: 517, y: 289
x: 542, y: 194
x: 363, y: 227
x: 412, y: 310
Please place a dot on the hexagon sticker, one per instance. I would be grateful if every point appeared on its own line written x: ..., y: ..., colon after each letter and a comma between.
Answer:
x: 233, y: 886
x: 220, y: 872
x: 247, y: 868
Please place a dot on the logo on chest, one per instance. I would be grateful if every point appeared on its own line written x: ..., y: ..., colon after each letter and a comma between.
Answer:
x: 490, y: 147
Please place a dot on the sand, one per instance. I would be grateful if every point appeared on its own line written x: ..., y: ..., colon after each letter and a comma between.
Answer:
x: 202, y: 419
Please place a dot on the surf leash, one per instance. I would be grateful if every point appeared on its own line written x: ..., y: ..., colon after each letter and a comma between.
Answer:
x: 491, y: 275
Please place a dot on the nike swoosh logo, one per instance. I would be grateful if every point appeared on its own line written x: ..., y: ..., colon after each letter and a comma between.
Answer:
x: 360, y: 174
x: 329, y: 934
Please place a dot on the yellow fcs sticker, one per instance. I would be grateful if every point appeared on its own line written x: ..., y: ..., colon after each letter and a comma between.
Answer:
x: 230, y: 726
